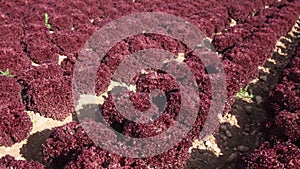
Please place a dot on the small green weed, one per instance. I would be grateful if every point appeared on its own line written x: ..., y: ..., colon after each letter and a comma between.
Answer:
x: 47, y: 24
x: 243, y: 93
x: 6, y: 73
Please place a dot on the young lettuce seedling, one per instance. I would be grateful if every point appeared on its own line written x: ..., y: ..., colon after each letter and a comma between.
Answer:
x: 243, y: 93
x: 47, y: 24
x: 6, y: 73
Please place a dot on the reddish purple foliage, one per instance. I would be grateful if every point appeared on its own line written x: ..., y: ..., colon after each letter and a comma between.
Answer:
x: 61, y: 22
x: 64, y: 144
x: 237, y: 76
x: 200, y: 73
x: 68, y: 19
x: 277, y: 25
x: 145, y: 84
x: 13, y: 58
x: 292, y: 72
x: 285, y: 97
x: 39, y: 47
x: 47, y: 91
x: 68, y: 65
x: 92, y: 158
x: 69, y: 144
x: 10, y: 162
x: 244, y: 56
x: 46, y: 88
x: 242, y: 10
x: 68, y: 41
x: 222, y: 41
x: 156, y: 80
x: 32, y: 28
x: 273, y: 155
x: 15, y: 124
x: 10, y: 91
x: 103, y: 77
x: 11, y: 32
x: 285, y: 125
x: 285, y: 103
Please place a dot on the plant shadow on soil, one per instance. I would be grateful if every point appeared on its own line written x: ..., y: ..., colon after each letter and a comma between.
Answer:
x: 33, y: 149
x: 235, y: 144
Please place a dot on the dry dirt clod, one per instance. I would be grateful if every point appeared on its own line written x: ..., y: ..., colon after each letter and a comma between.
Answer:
x: 248, y: 109
x: 264, y: 78
x: 246, y: 134
x: 231, y: 158
x: 223, y: 137
x: 253, y: 132
x: 243, y: 148
x: 247, y: 128
x: 223, y: 128
x: 258, y: 99
x: 228, y: 133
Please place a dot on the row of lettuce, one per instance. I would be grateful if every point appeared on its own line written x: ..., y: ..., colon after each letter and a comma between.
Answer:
x: 46, y: 89
x: 282, y: 129
x: 25, y: 25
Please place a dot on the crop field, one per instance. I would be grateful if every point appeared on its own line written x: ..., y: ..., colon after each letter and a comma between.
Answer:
x: 179, y: 84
